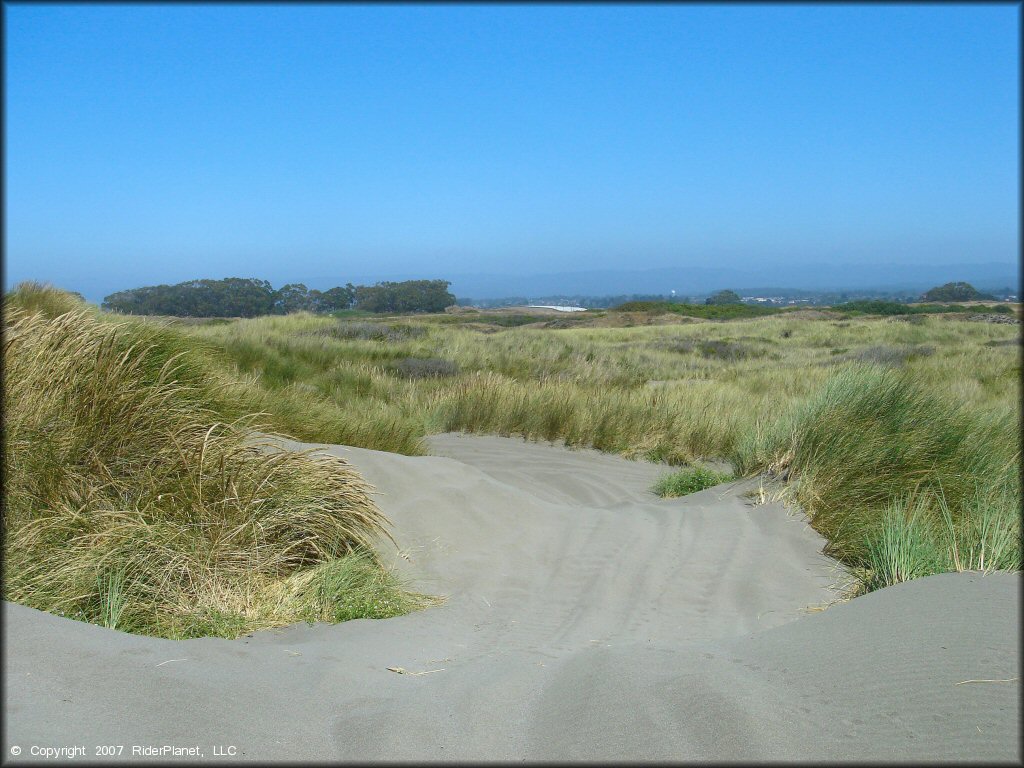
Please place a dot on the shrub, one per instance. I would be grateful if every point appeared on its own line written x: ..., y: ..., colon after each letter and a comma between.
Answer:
x: 368, y: 331
x: 896, y: 309
x: 955, y: 292
x: 890, y: 355
x: 718, y: 349
x: 724, y: 297
x: 709, y: 311
x: 425, y: 368
x: 508, y: 321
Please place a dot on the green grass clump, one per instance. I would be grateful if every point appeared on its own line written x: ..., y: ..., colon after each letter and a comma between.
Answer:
x: 874, y: 436
x: 919, y: 536
x: 130, y: 503
x: 352, y: 587
x: 689, y: 480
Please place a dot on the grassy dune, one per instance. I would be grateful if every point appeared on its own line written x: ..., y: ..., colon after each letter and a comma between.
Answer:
x: 129, y: 501
x: 900, y: 439
x: 873, y: 421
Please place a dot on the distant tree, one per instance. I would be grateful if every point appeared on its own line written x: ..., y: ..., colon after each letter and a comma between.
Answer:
x: 956, y: 292
x: 231, y: 297
x: 724, y: 297
x: 336, y: 298
x: 293, y: 297
x: 407, y: 296
x: 248, y: 297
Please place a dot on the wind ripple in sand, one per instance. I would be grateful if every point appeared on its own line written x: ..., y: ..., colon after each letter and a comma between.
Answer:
x: 586, y: 619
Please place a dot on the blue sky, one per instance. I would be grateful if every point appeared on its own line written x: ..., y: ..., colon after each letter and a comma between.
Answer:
x: 159, y: 143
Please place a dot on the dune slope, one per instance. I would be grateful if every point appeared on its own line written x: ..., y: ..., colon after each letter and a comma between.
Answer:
x: 586, y: 619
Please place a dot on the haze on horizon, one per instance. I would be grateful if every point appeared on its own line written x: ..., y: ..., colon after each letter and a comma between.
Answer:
x: 156, y: 144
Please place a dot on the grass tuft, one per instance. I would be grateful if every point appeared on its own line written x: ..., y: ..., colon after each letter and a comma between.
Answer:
x: 690, y: 480
x: 32, y: 296
x: 874, y: 437
x: 425, y: 368
x: 130, y: 504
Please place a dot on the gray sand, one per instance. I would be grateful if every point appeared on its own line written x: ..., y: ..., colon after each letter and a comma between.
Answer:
x: 586, y: 620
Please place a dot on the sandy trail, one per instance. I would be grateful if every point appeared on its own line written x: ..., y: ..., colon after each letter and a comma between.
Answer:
x: 586, y: 620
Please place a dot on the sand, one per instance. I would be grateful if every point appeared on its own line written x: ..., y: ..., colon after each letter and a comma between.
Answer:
x: 586, y: 619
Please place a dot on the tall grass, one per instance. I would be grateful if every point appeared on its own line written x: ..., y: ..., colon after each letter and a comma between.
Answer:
x: 128, y: 502
x: 34, y: 296
x: 875, y: 437
x: 859, y: 414
x: 921, y: 535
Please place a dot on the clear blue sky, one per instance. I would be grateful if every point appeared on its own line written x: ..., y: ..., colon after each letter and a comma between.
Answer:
x: 149, y: 144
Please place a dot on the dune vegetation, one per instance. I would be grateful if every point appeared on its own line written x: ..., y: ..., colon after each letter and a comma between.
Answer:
x: 689, y: 480
x: 871, y: 421
x: 134, y: 494
x: 129, y: 501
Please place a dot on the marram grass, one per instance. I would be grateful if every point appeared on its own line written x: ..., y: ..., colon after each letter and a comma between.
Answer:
x: 840, y: 408
x: 921, y: 535
x: 834, y: 405
x: 128, y: 503
x: 873, y: 438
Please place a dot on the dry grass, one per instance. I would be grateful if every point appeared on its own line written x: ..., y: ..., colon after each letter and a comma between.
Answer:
x: 129, y: 502
x: 857, y: 414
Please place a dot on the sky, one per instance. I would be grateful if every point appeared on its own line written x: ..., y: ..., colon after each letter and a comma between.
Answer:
x: 150, y: 144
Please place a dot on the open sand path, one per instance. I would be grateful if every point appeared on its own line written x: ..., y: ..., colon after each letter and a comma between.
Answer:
x: 586, y: 619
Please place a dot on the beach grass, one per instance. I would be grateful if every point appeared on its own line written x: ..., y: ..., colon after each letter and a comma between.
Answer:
x: 873, y: 437
x: 130, y: 502
x: 899, y: 439
x: 918, y: 536
x: 689, y: 480
x: 854, y: 412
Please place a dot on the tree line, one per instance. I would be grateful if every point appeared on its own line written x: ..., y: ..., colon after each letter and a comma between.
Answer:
x: 249, y: 297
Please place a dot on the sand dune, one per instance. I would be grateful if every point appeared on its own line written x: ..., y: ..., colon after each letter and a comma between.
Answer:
x: 585, y: 619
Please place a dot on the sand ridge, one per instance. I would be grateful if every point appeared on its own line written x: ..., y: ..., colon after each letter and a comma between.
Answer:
x: 586, y: 619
